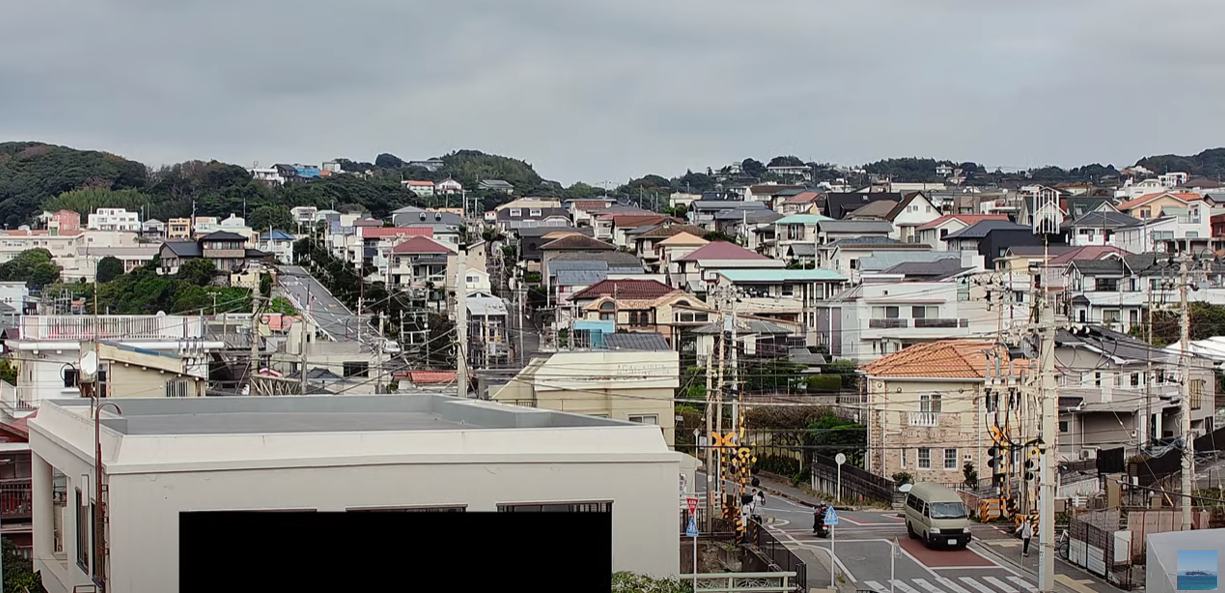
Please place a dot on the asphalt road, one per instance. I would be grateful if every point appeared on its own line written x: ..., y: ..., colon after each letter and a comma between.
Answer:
x: 309, y: 296
x: 863, y: 541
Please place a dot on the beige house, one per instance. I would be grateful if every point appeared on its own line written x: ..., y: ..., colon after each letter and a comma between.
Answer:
x: 140, y: 372
x: 925, y: 409
x: 633, y: 377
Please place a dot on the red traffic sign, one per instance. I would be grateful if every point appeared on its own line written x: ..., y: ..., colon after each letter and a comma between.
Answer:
x: 693, y: 504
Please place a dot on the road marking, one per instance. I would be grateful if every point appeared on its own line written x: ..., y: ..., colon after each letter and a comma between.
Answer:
x: 876, y: 586
x: 1001, y: 585
x: 992, y: 561
x: 977, y: 585
x: 1074, y: 584
x: 1003, y: 543
x: 1024, y: 584
x: 827, y: 551
x: 902, y: 586
x: 954, y: 587
x: 916, y: 561
x: 926, y: 585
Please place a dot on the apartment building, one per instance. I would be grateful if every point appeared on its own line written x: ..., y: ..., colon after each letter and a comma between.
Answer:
x: 782, y: 294
x: 114, y: 219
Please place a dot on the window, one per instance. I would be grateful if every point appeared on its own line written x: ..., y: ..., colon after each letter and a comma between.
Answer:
x: 924, y: 312
x: 1097, y: 379
x: 534, y: 212
x: 1112, y: 316
x: 83, y: 529
x: 357, y: 369
x: 1107, y: 284
x: 788, y: 290
x: 1192, y: 234
x: 652, y: 419
x: 950, y: 459
x: 70, y: 378
x: 885, y: 313
x: 1197, y: 393
x: 640, y: 318
x: 176, y: 388
x: 557, y: 507
x: 925, y: 458
x: 902, y: 459
x: 515, y: 213
x: 691, y: 317
x: 929, y: 403
x: 1135, y: 379
x: 1063, y: 426
x: 1134, y: 316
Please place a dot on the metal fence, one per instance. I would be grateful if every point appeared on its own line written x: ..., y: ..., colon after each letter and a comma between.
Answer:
x: 717, y: 526
x: 857, y: 482
x: 780, y: 556
x: 1098, y: 545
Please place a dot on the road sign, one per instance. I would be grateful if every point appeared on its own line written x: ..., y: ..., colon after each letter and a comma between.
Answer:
x: 693, y: 504
x: 831, y: 518
x: 691, y: 530
x: 840, y: 458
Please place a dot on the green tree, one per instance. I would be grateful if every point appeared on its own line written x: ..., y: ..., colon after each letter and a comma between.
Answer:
x: 86, y: 201
x: 33, y: 266
x: 199, y: 271
x: 752, y: 167
x: 270, y: 216
x: 31, y: 172
x: 834, y: 434
x: 628, y: 582
x: 109, y: 268
x: 19, y: 575
x: 388, y: 161
x: 1207, y: 320
x: 785, y: 161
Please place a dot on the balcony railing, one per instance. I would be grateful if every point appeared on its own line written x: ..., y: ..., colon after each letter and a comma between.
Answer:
x: 16, y: 499
x: 941, y: 322
x: 110, y: 327
x: 924, y: 418
x: 888, y: 323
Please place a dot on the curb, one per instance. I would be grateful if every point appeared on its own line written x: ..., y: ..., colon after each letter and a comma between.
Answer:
x: 806, y: 503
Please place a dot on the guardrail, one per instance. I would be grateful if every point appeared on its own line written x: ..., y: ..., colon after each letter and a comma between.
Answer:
x: 743, y: 582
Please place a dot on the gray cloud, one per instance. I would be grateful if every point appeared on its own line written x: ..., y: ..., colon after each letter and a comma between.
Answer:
x: 603, y: 90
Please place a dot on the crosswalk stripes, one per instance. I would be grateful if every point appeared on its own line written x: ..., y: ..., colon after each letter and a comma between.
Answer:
x: 1001, y: 585
x: 981, y: 584
x: 1024, y: 584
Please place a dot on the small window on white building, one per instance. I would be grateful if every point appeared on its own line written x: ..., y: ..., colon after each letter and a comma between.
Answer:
x: 652, y: 419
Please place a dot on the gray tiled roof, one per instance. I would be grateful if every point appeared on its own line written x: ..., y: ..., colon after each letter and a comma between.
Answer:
x: 1105, y: 219
x: 580, y: 277
x: 612, y: 258
x: 882, y: 260
x: 982, y: 228
x: 802, y: 249
x: 940, y: 269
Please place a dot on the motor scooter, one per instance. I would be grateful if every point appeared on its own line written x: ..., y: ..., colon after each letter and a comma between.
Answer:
x: 819, y: 528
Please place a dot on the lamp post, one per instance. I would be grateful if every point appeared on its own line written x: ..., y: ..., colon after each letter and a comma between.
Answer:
x: 99, y: 507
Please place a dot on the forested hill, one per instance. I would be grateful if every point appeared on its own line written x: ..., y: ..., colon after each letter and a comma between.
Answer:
x: 36, y: 177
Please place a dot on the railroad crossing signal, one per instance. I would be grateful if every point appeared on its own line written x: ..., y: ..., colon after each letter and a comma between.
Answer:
x: 723, y: 440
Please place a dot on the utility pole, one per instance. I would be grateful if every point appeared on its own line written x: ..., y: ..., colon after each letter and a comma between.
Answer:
x: 1050, y: 453
x: 710, y: 441
x: 461, y: 325
x: 253, y: 335
x: 1184, y: 367
x: 719, y: 385
x: 303, y: 365
x: 1145, y: 441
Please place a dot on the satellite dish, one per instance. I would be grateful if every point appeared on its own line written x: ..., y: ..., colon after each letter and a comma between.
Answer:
x: 89, y: 366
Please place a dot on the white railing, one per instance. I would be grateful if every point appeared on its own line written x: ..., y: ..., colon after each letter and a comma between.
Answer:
x: 742, y: 582
x: 15, y: 400
x: 111, y: 327
x: 924, y: 418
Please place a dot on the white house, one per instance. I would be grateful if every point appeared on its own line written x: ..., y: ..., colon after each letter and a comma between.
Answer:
x: 448, y: 186
x: 114, y: 219
x: 914, y: 211
x: 355, y: 453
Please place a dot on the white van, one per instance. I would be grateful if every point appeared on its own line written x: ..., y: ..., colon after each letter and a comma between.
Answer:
x: 937, y: 516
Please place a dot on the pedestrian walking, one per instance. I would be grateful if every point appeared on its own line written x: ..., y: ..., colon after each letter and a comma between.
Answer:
x: 1026, y: 530
x: 761, y: 499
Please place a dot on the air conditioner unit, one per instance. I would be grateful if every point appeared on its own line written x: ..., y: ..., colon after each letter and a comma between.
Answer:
x: 1087, y: 454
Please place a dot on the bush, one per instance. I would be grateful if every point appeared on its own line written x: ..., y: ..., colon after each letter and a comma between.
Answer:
x: 824, y: 383
x: 779, y: 464
x: 628, y: 582
x: 903, y: 478
x: 804, y: 477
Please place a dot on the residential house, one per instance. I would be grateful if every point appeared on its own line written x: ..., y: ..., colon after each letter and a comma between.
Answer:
x: 163, y: 350
x: 914, y: 211
x: 934, y: 232
x: 530, y: 240
x: 372, y: 245
x: 1201, y: 185
x: 573, y: 270
x: 1080, y: 205
x: 421, y: 265
x: 991, y: 238
x: 278, y: 244
x: 1115, y: 291
x: 489, y: 344
x: 645, y: 242
x: 796, y: 228
x: 702, y: 212
x: 837, y: 205
x: 890, y: 311
x: 1179, y: 229
x: 422, y: 187
x: 445, y: 226
x: 624, y: 225
x: 843, y: 255
x: 114, y: 219
x: 1116, y: 390
x: 755, y: 338
x: 674, y: 248
x: 1097, y: 227
x: 583, y: 212
x: 495, y: 185
x: 569, y: 244
x: 877, y: 210
x: 510, y: 219
x: 643, y: 305
x: 924, y: 405
x: 1152, y: 205
x: 637, y: 373
x: 528, y: 203
x: 803, y: 172
x: 1048, y: 271
x: 879, y: 261
x: 61, y: 222
x: 829, y: 231
x: 752, y: 228
x: 695, y: 271
x: 153, y: 229
x: 448, y: 187
x: 226, y: 250
x: 782, y: 294
x: 804, y: 202
x: 764, y: 192
x: 83, y: 266
x: 304, y: 216
x: 1134, y: 189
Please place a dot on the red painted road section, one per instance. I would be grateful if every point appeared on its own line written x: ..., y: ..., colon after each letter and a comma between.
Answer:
x: 937, y: 558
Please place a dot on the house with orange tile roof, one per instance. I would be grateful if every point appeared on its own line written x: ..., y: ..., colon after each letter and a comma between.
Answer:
x: 1151, y: 205
x: 933, y: 233
x: 635, y: 305
x: 925, y: 407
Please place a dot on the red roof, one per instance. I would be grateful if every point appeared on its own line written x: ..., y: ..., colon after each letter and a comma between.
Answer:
x: 421, y: 245
x: 625, y: 289
x: 722, y: 250
x: 590, y: 205
x: 968, y: 219
x: 802, y: 198
x: 396, y: 231
x: 431, y: 377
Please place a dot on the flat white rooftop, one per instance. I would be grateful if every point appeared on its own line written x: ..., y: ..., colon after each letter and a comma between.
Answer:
x: 324, y: 413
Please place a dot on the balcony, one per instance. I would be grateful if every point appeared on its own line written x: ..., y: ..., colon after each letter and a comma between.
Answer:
x: 888, y: 323
x: 941, y: 323
x: 75, y: 328
x: 924, y: 418
x: 16, y: 500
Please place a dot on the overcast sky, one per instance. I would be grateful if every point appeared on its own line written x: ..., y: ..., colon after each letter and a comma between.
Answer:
x: 602, y: 91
